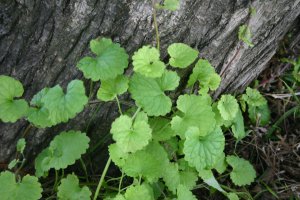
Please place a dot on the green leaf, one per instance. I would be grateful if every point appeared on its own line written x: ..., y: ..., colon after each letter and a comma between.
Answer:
x: 100, y: 45
x: 117, y: 154
x: 208, y: 178
x: 181, y: 55
x: 149, y: 162
x: 228, y: 107
x: 161, y: 129
x: 253, y: 97
x: 11, y: 109
x: 245, y: 35
x: 158, y: 189
x: 171, y: 147
x: 242, y: 172
x: 202, y: 152
x: 188, y: 179
x: 259, y: 113
x: 296, y: 70
x: 196, y: 113
x: 146, y: 61
x: 171, y: 5
x: 140, y: 116
x: 21, y: 145
x: 238, y: 127
x: 205, y: 73
x: 221, y: 164
x: 63, y: 107
x: 232, y: 196
x: 63, y: 150
x: 139, y: 192
x: 118, y: 197
x: 110, y: 60
x: 130, y: 136
x: 27, y: 189
x: 183, y: 193
x: 258, y: 109
x: 110, y: 88
x: 12, y: 163
x: 252, y: 11
x: 69, y: 189
x: 243, y: 104
x: 219, y: 119
x: 149, y: 93
x: 38, y: 114
x: 172, y: 177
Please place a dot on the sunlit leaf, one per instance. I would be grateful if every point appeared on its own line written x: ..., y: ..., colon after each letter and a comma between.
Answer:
x: 242, y: 172
x: 110, y: 88
x: 11, y: 109
x: 69, y: 189
x: 181, y: 55
x: 150, y: 93
x: 130, y: 136
x: 196, y: 112
x: 27, y: 189
x: 63, y: 150
x: 146, y: 61
x: 110, y: 60
x: 202, y: 152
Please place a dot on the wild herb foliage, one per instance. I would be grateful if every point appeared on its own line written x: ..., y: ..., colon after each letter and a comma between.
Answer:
x: 168, y: 141
x: 245, y: 35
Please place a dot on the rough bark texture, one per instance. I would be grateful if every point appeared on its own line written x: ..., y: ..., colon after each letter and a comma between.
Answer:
x: 42, y: 40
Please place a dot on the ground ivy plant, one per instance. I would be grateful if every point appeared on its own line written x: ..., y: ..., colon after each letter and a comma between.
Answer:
x: 167, y: 142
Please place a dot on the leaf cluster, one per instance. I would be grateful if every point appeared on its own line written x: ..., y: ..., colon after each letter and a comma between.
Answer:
x: 166, y: 145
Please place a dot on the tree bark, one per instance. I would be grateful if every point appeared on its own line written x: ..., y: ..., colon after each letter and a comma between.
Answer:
x: 42, y: 40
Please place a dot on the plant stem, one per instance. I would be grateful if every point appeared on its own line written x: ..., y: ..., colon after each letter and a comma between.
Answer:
x: 119, y: 106
x: 136, y: 112
x: 84, y: 169
x: 102, y: 178
x: 155, y: 25
x: 120, y: 183
x: 56, y: 181
x: 27, y: 130
x: 22, y: 164
x: 285, y: 115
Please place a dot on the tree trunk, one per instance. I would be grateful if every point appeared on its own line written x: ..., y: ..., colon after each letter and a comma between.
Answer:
x: 42, y: 40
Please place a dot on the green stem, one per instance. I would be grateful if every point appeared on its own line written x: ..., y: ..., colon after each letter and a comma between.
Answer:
x: 113, y: 179
x: 102, y: 178
x: 84, y: 169
x: 27, y: 130
x: 119, y: 106
x: 56, y: 181
x: 120, y: 183
x: 155, y: 25
x: 279, y: 121
x: 125, y: 187
x: 136, y: 112
x: 21, y: 166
